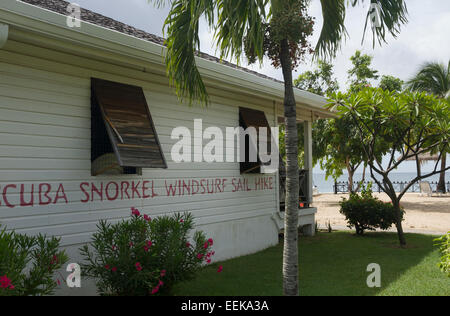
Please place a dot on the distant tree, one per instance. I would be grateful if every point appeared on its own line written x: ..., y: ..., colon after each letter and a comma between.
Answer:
x: 391, y: 83
x: 339, y: 144
x: 407, y: 124
x: 360, y: 74
x: 319, y: 81
x: 434, y: 78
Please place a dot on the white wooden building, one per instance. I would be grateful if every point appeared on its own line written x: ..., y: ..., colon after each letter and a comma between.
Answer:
x: 51, y: 79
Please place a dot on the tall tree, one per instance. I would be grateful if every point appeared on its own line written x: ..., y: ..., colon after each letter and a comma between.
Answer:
x: 434, y: 78
x: 406, y: 125
x: 360, y: 74
x: 278, y: 29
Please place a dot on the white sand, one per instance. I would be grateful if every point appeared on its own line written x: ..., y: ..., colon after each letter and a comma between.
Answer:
x: 423, y: 214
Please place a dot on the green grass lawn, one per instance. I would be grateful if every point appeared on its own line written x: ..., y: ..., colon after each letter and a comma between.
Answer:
x: 331, y: 264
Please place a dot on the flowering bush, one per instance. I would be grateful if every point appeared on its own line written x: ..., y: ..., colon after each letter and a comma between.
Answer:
x: 444, y: 243
x: 365, y: 212
x: 144, y: 256
x: 28, y: 264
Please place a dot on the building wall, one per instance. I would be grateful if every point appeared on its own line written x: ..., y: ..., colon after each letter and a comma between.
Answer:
x: 45, y: 142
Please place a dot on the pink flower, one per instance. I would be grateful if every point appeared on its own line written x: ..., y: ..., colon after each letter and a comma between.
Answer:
x: 181, y: 220
x: 155, y: 290
x: 149, y: 243
x: 131, y: 244
x: 206, y: 245
x: 147, y: 218
x: 210, y: 241
x: 161, y: 283
x: 208, y: 261
x: 54, y: 260
x: 114, y: 269
x: 163, y: 273
x: 5, y: 283
x: 200, y: 256
x: 188, y: 244
x: 220, y: 269
x: 213, y: 253
x: 58, y: 282
x: 138, y: 266
x: 114, y: 247
x: 135, y: 212
x: 107, y: 266
x: 146, y: 248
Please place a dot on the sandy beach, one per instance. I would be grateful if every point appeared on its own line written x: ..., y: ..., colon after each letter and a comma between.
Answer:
x: 430, y: 215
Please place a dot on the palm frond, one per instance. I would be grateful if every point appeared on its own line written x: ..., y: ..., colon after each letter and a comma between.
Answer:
x: 182, y: 29
x: 432, y: 77
x: 393, y: 14
x: 240, y: 20
x: 333, y: 29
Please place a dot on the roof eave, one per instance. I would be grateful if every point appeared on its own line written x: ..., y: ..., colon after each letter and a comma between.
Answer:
x: 36, y: 19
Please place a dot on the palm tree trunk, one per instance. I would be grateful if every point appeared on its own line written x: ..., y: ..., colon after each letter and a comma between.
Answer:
x: 441, y: 184
x: 290, y: 251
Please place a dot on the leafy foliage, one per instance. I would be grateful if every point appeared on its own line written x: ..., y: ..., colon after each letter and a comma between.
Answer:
x: 444, y: 243
x: 407, y: 125
x: 142, y: 256
x: 391, y: 83
x: 365, y: 212
x: 28, y: 264
x: 319, y: 81
x: 361, y: 73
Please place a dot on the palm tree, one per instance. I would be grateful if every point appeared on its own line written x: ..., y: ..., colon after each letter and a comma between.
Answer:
x: 434, y: 78
x: 277, y: 29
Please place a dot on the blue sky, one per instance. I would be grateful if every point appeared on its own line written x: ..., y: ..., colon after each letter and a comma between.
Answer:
x: 425, y: 38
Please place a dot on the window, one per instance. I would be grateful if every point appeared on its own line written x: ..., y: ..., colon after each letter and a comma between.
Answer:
x: 257, y: 119
x: 123, y: 135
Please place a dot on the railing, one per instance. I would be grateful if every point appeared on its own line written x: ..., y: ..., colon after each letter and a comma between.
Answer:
x: 342, y: 186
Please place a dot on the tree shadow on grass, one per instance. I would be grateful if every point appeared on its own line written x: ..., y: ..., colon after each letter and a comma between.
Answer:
x: 330, y: 264
x: 338, y: 266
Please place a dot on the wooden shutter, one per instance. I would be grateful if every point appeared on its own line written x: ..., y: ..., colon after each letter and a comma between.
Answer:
x: 253, y: 118
x: 129, y: 124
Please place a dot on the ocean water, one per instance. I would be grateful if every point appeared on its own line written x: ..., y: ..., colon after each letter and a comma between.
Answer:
x: 326, y: 186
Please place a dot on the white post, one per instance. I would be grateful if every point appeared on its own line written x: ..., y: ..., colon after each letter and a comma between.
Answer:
x: 308, y: 157
x: 4, y: 30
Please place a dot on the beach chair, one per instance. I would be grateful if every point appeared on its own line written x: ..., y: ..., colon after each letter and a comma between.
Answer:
x: 425, y: 188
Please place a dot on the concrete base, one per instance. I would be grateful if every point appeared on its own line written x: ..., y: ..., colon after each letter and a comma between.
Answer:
x: 306, y: 220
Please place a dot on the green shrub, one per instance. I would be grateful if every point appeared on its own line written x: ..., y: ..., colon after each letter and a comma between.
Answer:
x: 365, y: 212
x: 444, y: 243
x: 141, y: 256
x: 28, y: 264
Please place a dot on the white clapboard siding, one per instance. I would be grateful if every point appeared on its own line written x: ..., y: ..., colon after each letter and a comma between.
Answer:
x: 45, y: 138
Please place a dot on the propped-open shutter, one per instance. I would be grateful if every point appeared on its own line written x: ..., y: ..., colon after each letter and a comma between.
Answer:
x: 129, y: 124
x: 253, y: 118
